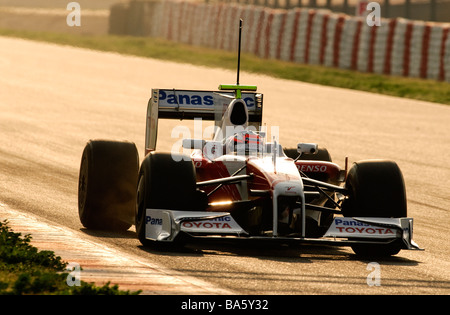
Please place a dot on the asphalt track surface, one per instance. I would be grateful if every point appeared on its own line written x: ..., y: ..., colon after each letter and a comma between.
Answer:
x: 53, y: 99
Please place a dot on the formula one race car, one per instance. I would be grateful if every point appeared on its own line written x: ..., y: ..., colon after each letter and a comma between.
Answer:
x: 239, y: 185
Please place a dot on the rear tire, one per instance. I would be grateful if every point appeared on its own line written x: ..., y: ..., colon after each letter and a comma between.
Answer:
x: 107, y: 185
x: 376, y: 189
x: 164, y: 183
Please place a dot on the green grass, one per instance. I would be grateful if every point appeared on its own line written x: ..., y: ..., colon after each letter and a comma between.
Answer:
x: 24, y: 270
x: 420, y: 89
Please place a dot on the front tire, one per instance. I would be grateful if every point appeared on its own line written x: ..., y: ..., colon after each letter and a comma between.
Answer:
x: 376, y: 189
x: 166, y: 181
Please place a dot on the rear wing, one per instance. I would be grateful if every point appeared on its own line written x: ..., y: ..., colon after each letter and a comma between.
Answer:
x: 194, y: 104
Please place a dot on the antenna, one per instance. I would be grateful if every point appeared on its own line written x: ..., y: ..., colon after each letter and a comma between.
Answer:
x: 239, y: 51
x: 238, y: 88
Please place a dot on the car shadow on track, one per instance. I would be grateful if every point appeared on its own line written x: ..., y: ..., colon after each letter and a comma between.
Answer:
x: 261, y: 249
x: 264, y: 250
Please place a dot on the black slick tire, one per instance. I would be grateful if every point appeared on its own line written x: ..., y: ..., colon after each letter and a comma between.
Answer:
x: 107, y: 185
x: 376, y: 189
x: 166, y: 181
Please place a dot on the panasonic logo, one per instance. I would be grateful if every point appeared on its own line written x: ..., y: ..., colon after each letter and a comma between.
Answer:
x: 153, y: 221
x: 185, y: 99
x: 193, y: 98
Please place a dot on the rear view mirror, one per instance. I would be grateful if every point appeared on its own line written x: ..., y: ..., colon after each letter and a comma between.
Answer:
x: 310, y: 148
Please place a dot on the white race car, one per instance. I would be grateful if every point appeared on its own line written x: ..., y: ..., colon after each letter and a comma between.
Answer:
x: 239, y: 185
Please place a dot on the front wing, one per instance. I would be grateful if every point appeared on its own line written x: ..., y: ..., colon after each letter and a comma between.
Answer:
x: 165, y: 225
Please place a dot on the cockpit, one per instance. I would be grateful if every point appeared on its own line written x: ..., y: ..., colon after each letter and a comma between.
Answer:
x: 246, y: 142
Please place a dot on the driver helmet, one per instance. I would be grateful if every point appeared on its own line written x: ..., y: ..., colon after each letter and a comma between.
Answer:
x: 245, y: 142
